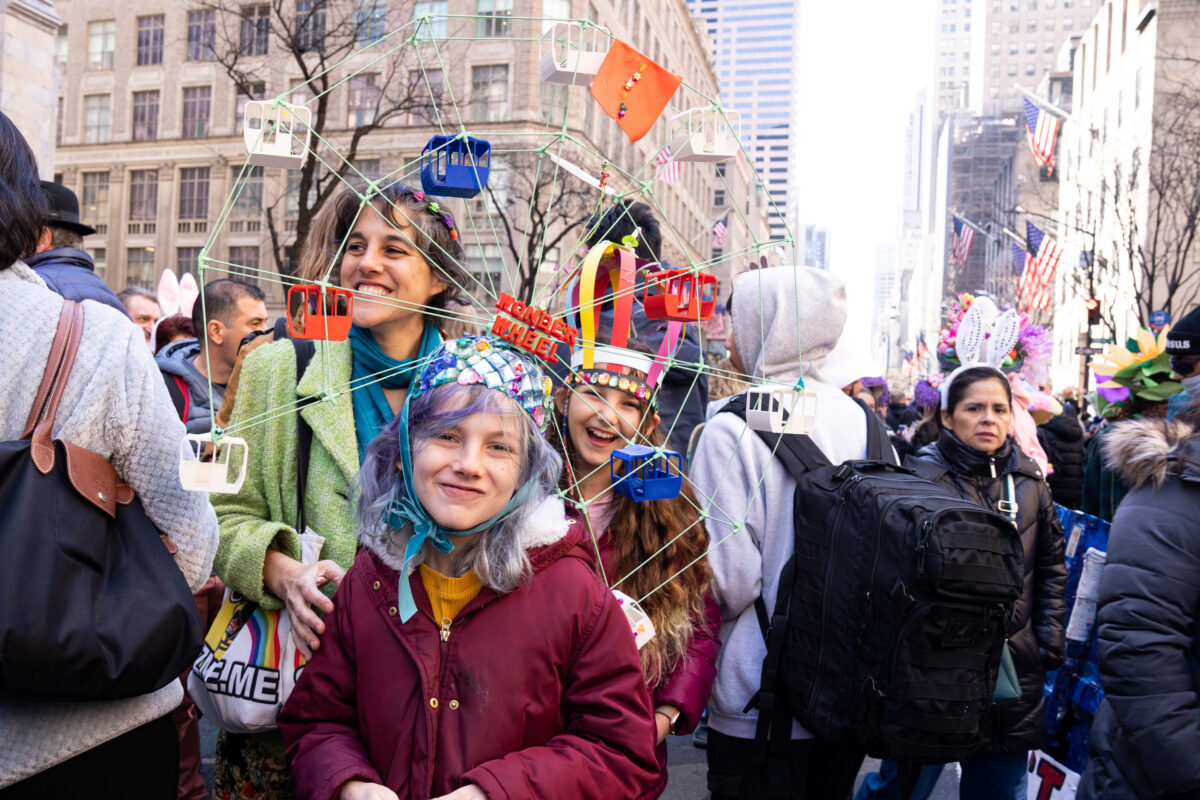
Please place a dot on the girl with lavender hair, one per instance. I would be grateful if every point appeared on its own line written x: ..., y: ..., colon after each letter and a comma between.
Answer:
x: 472, y: 652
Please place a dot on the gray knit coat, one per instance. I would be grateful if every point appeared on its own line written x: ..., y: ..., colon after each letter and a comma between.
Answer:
x: 115, y: 404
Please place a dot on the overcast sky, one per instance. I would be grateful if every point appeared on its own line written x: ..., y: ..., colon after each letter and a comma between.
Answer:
x: 862, y: 64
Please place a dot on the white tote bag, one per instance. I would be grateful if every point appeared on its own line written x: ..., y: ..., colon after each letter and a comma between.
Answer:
x: 249, y: 664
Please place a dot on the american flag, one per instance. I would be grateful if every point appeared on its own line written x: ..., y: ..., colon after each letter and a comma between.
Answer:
x: 964, y: 234
x: 1043, y: 130
x: 1043, y: 253
x: 719, y: 231
x: 1022, y: 270
x: 668, y: 170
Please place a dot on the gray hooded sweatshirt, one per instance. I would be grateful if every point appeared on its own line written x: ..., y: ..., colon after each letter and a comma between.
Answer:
x: 177, y: 359
x: 744, y: 489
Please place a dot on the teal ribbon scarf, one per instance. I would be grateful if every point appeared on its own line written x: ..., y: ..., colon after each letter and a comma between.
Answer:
x: 371, y: 410
x: 405, y: 508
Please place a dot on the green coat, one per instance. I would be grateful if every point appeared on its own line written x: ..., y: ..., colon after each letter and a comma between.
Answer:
x: 263, y: 513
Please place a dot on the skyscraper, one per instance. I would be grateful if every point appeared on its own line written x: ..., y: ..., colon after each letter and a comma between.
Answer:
x: 1016, y: 42
x: 816, y: 247
x: 754, y: 42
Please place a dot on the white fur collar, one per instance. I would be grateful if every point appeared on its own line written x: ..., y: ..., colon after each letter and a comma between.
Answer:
x: 548, y: 524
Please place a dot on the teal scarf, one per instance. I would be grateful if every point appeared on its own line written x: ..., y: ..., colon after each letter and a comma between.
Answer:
x: 406, y: 509
x: 371, y: 410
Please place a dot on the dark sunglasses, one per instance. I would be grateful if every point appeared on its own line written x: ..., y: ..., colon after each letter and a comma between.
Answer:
x: 1184, y: 365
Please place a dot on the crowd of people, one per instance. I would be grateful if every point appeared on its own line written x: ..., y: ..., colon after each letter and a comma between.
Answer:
x: 462, y: 634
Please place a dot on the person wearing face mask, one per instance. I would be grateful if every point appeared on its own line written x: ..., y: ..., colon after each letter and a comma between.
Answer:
x: 400, y: 255
x: 1183, y: 346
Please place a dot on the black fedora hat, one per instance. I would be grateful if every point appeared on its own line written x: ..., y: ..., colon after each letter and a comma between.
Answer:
x: 64, y: 208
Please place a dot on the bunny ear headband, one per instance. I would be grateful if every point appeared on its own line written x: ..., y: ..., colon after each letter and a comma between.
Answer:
x: 976, y: 348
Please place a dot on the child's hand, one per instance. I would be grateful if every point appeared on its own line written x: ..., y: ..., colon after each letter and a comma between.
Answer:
x: 298, y: 586
x: 361, y: 790
x: 468, y: 792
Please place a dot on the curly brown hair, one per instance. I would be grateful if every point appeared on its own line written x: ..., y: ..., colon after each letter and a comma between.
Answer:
x: 671, y: 534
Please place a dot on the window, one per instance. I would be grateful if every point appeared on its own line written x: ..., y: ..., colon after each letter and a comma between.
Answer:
x: 554, y: 104
x: 97, y: 118
x: 370, y: 21
x: 428, y: 88
x: 193, y: 193
x: 93, y: 200
x: 292, y: 197
x: 1068, y: 24
x: 244, y: 263
x: 495, y: 18
x: 555, y: 9
x: 201, y: 33
x: 1031, y: 47
x: 256, y: 30
x: 310, y: 19
x: 436, y: 10
x: 140, y: 268
x: 489, y: 93
x: 143, y: 195
x: 995, y: 70
x: 102, y: 41
x: 1012, y: 70
x: 1013, y: 48
x: 1030, y: 69
x: 99, y: 260
x: 1048, y: 49
x: 369, y: 168
x: 1014, y: 28
x: 150, y: 40
x: 58, y: 124
x: 995, y: 49
x: 719, y: 198
x: 1049, y: 5
x: 257, y: 90
x: 1033, y: 5
x: 485, y: 264
x: 365, y: 93
x: 197, y: 110
x: 249, y: 202
x: 145, y: 116
x: 60, y: 49
x: 1137, y: 89
x: 1031, y: 26
x: 187, y: 259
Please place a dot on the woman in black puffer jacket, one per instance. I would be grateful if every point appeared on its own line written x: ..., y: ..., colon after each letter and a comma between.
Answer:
x: 1062, y: 439
x: 973, y: 457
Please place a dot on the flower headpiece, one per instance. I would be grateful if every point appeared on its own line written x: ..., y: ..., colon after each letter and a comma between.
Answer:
x: 470, y: 360
x: 1140, y: 370
x: 927, y: 393
x: 1030, y: 354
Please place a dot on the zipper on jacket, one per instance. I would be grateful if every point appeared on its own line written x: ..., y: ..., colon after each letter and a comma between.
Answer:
x: 445, y: 634
x: 992, y: 466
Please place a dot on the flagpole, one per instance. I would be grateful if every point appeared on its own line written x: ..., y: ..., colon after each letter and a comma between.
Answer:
x: 1046, y: 104
x: 1016, y: 238
x: 972, y: 225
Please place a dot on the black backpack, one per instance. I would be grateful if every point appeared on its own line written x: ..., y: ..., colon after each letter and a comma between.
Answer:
x: 888, y: 628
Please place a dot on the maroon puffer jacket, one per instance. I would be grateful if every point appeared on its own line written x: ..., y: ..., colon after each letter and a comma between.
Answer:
x: 536, y: 693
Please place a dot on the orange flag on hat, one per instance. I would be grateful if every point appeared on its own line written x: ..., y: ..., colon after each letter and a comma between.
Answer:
x: 632, y: 89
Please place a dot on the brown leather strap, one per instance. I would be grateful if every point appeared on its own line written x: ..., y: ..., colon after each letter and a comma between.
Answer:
x: 42, y: 446
x: 53, y: 361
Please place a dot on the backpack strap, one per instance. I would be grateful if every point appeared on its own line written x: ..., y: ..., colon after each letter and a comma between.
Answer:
x: 305, y: 350
x: 876, y: 436
x: 180, y: 396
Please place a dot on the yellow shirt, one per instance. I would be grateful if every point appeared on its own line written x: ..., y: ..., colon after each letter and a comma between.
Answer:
x: 449, y: 596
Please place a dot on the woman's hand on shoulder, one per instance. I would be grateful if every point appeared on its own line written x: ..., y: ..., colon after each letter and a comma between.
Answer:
x: 361, y: 790
x: 468, y: 792
x: 299, y: 587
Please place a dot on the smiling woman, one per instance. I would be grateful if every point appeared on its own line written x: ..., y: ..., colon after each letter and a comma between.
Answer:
x: 399, y: 253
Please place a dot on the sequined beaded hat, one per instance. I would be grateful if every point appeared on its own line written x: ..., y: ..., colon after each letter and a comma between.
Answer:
x: 470, y: 360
